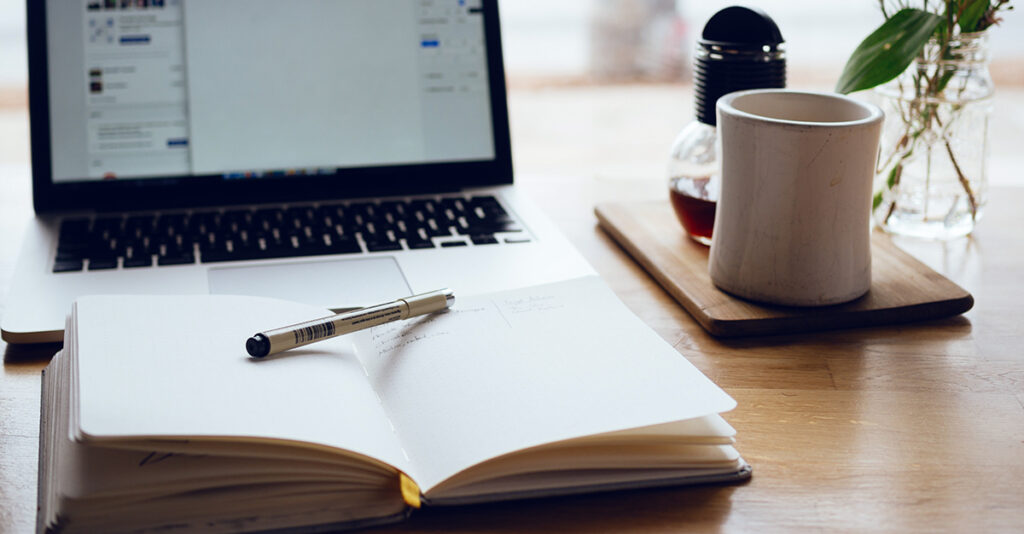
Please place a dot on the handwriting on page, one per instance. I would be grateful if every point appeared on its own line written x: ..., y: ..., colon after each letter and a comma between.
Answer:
x: 392, y: 337
x: 404, y: 340
x: 464, y: 320
x: 533, y: 303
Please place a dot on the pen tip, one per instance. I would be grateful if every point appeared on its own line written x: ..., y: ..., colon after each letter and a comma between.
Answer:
x: 449, y: 297
x: 258, y: 346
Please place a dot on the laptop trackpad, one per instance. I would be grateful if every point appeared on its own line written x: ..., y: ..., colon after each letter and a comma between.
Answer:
x: 327, y: 284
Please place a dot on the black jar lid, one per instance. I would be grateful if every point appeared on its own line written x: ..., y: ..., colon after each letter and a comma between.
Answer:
x: 740, y: 48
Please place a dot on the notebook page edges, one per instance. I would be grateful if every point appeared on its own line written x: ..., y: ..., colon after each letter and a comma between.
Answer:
x: 176, y: 366
x: 517, y: 369
x: 103, y: 488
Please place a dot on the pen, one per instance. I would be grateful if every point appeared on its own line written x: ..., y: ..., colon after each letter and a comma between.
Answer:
x: 297, y: 335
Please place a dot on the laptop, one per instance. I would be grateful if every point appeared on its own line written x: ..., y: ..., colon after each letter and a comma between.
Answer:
x: 341, y: 153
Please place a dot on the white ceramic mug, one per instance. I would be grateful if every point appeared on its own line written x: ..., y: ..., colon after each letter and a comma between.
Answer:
x: 792, y: 225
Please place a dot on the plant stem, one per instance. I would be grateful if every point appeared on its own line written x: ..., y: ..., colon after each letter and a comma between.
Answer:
x: 896, y: 172
x: 896, y: 150
x: 964, y: 182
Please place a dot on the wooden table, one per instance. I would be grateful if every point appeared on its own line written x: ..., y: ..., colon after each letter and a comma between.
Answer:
x: 909, y: 428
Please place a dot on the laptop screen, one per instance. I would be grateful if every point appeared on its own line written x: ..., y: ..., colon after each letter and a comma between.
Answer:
x: 237, y: 90
x: 251, y: 88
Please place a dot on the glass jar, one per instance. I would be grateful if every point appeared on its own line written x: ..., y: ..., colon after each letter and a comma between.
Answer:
x: 740, y: 48
x: 693, y: 179
x: 932, y: 172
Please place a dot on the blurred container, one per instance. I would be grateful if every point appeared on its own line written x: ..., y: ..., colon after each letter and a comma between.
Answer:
x: 740, y: 48
x: 637, y: 40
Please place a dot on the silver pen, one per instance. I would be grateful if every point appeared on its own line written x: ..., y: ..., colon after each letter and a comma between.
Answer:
x: 289, y: 337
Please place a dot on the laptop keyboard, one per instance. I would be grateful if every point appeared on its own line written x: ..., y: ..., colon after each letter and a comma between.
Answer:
x: 179, y: 238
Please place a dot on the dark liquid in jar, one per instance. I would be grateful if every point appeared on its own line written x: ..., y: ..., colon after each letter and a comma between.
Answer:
x: 697, y: 215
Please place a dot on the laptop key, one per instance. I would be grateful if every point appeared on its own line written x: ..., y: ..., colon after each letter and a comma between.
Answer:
x: 138, y: 227
x: 70, y: 255
x: 107, y: 227
x: 423, y: 209
x: 200, y: 223
x: 489, y: 228
x: 283, y: 250
x: 449, y: 244
x: 67, y: 266
x: 73, y: 242
x: 173, y: 222
x: 138, y: 260
x: 488, y: 204
x: 448, y: 217
x: 102, y: 264
x: 436, y: 229
x: 137, y: 247
x: 268, y: 219
x: 344, y: 245
x: 329, y: 210
x: 364, y: 210
x: 415, y: 243
x: 184, y: 258
x: 383, y: 244
x: 398, y: 210
x: 484, y: 239
x: 215, y: 255
x: 456, y: 205
x: 402, y: 229
x: 250, y: 252
x: 99, y: 245
x: 316, y: 251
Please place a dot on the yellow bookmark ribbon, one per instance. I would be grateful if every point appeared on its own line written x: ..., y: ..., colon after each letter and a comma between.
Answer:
x: 410, y: 491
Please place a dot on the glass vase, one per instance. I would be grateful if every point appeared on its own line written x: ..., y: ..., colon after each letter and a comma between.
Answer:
x: 932, y: 172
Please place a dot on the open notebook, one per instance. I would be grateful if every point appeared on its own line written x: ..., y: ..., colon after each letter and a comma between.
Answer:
x: 154, y: 418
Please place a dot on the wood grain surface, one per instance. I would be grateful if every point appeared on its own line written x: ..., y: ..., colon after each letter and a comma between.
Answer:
x: 903, y: 428
x: 902, y: 290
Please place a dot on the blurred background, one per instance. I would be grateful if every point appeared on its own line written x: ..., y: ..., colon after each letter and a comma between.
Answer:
x: 616, y: 75
x: 602, y: 41
x: 615, y: 41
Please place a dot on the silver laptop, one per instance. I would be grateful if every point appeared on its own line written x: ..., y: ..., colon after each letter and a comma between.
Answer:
x: 336, y: 152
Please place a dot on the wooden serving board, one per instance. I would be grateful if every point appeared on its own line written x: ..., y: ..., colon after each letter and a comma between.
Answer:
x: 902, y: 289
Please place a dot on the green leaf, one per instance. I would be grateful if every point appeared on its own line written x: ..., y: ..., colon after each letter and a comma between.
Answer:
x: 888, y: 50
x: 894, y: 174
x: 972, y: 14
x: 944, y: 81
